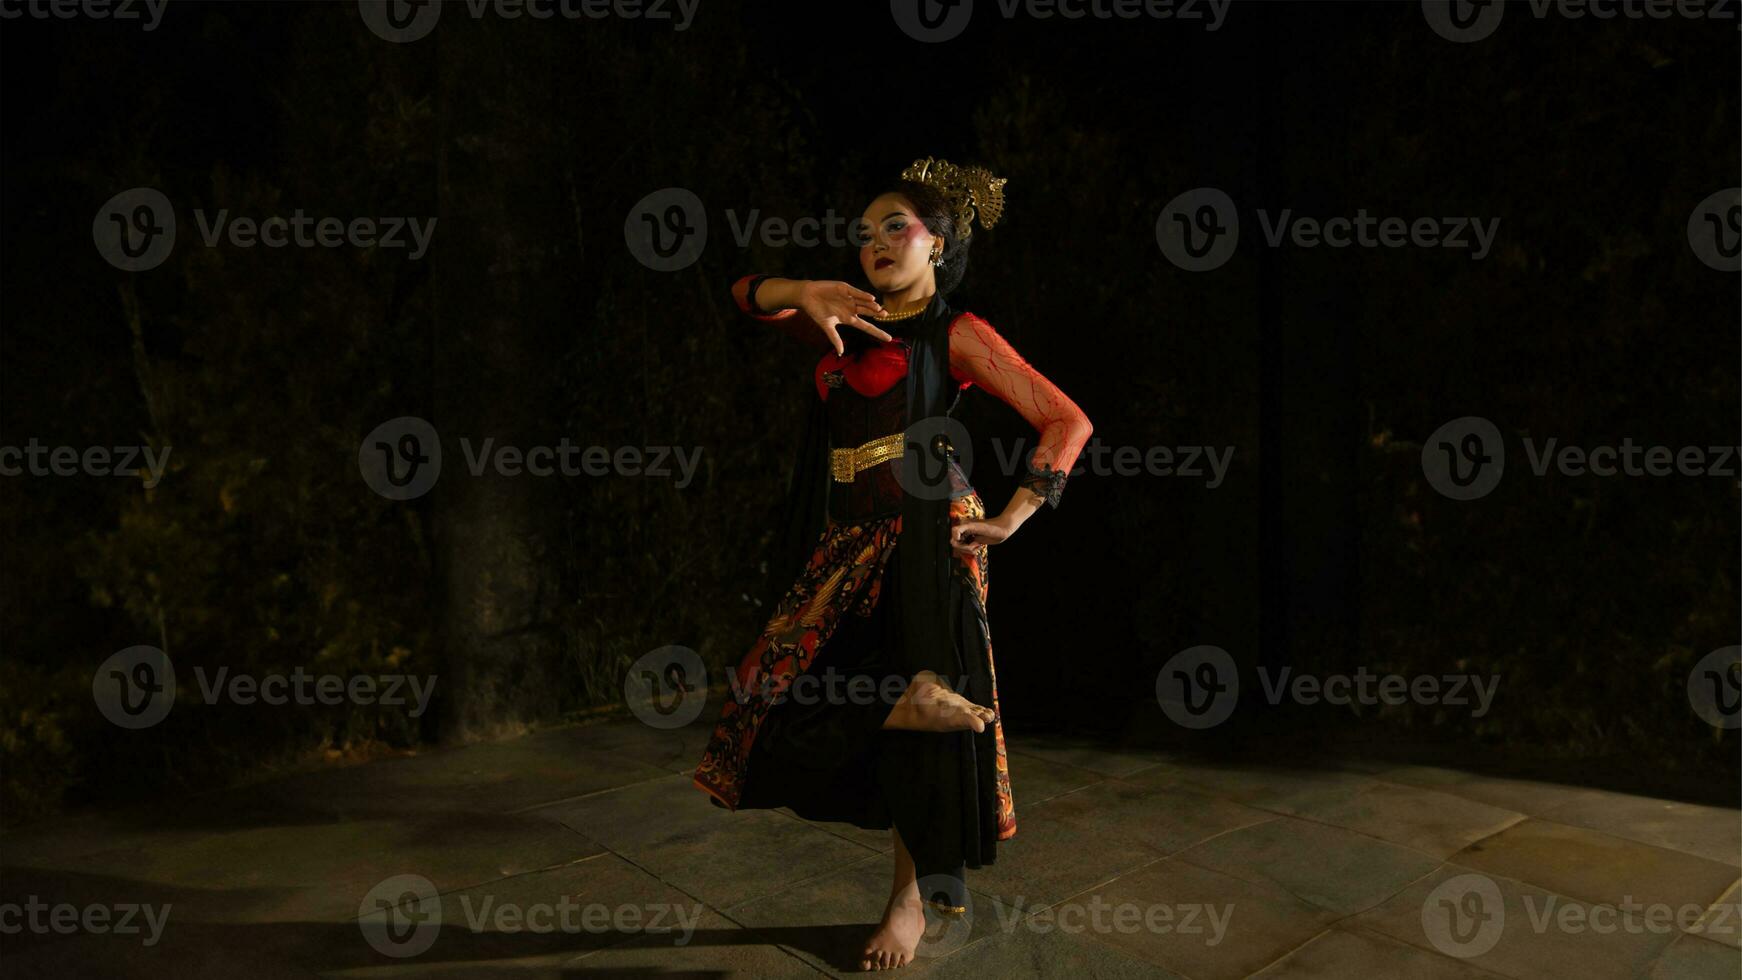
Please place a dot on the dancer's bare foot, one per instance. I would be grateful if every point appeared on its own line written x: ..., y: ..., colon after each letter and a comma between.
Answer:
x: 897, y: 936
x: 930, y: 705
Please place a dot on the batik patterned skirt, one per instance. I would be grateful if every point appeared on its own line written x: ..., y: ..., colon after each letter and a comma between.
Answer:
x: 818, y: 754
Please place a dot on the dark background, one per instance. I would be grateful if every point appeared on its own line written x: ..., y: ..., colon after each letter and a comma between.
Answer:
x: 1326, y: 369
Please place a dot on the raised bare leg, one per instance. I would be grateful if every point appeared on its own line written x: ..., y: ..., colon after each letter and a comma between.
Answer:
x: 930, y: 705
x: 897, y: 936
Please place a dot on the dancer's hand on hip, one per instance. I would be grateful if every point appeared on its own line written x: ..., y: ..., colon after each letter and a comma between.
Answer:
x: 968, y: 536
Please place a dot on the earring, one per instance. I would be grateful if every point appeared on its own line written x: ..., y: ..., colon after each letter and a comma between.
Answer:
x: 937, y: 257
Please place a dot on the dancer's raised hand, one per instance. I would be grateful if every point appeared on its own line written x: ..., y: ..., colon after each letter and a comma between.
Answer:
x: 830, y: 303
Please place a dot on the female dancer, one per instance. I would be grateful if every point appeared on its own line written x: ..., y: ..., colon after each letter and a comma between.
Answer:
x: 899, y: 728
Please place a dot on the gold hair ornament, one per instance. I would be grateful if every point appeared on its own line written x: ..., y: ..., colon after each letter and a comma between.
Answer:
x: 972, y: 191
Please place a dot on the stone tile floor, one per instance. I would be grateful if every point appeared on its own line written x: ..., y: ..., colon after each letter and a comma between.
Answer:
x: 585, y: 851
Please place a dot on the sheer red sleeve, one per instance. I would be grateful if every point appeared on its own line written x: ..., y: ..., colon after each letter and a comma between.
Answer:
x: 790, y: 320
x: 980, y: 355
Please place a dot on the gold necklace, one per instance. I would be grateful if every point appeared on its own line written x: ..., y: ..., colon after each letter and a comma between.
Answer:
x: 910, y: 314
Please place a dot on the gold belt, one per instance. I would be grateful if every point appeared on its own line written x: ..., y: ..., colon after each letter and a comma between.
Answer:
x: 845, y: 464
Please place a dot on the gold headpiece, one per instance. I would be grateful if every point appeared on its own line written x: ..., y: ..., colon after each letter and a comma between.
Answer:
x: 971, y: 191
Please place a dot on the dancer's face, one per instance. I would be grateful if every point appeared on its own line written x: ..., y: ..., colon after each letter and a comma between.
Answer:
x: 898, y: 254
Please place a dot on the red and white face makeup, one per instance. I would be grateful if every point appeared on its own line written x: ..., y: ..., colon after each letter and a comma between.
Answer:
x: 897, y: 257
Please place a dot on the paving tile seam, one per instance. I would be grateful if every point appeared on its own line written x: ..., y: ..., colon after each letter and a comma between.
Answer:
x: 588, y: 796
x: 499, y: 878
x: 1338, y: 922
x: 1543, y: 816
x: 1184, y: 858
x: 1072, y: 765
x: 1350, y: 917
x: 795, y: 883
x: 1726, y: 947
x: 1594, y: 901
x: 1637, y: 840
x: 1466, y: 869
x: 749, y: 930
x: 766, y: 940
x: 1356, y: 927
x: 1108, y: 944
x: 826, y: 830
x: 1308, y: 942
x: 758, y: 930
x: 1077, y: 894
x: 1360, y: 833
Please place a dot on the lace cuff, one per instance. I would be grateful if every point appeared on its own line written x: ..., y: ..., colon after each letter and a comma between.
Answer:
x: 1044, y: 481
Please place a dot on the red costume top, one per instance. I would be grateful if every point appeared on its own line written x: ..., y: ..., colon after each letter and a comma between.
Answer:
x: 978, y: 356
